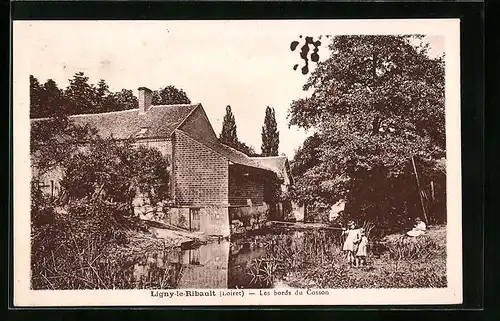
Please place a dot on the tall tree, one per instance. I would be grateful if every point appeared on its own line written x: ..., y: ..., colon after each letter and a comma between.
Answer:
x: 228, y: 135
x: 377, y: 103
x: 270, y: 134
x: 46, y: 100
x: 54, y: 101
x: 35, y: 98
x: 246, y: 149
x: 102, y: 94
x: 170, y: 95
x: 122, y: 100
x: 82, y: 96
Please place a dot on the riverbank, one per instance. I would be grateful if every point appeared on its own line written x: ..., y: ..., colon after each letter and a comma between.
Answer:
x: 100, y: 251
x: 406, y: 263
x: 156, y: 237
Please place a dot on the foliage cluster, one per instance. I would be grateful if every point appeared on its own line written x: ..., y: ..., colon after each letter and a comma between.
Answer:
x: 82, y: 97
x: 270, y: 134
x: 315, y: 259
x: 93, y: 213
x: 229, y: 136
x: 377, y: 112
x: 116, y: 172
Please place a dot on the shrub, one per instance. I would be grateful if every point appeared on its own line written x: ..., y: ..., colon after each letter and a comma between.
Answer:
x: 116, y: 172
x: 422, y: 247
x: 65, y: 253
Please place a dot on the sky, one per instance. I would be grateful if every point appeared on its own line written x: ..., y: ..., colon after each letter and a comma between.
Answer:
x: 245, y: 64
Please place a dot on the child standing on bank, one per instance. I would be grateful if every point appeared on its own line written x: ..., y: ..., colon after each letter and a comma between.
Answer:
x: 350, y: 244
x: 361, y: 253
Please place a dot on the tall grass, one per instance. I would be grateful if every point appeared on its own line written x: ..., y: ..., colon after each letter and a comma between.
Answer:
x: 291, y: 252
x: 410, y: 248
x: 86, y: 248
x: 316, y: 259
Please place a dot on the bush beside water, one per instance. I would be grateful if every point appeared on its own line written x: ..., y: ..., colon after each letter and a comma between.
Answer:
x: 85, y: 247
x: 317, y: 260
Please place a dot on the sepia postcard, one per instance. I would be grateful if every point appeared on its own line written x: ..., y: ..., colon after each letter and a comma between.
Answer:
x: 246, y: 162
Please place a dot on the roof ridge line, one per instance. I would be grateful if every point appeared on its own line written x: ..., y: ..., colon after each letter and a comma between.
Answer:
x: 116, y: 111
x: 105, y: 113
x: 243, y: 154
x: 188, y: 115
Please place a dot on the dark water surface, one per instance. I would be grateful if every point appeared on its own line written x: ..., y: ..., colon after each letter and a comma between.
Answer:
x: 220, y: 264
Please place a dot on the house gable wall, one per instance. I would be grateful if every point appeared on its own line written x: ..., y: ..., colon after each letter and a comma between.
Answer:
x: 198, y: 126
x: 200, y: 174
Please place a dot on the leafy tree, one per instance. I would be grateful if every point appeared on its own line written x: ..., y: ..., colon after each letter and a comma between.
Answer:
x: 94, y: 214
x: 170, y: 95
x: 35, y: 98
x: 246, y: 149
x: 102, y: 95
x: 303, y: 166
x: 377, y: 105
x: 228, y: 135
x: 53, y: 140
x: 82, y: 97
x: 46, y: 100
x: 115, y: 172
x: 102, y: 89
x: 125, y: 99
x: 270, y: 134
x: 54, y: 100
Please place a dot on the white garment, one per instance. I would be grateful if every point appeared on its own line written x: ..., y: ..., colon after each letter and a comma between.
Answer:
x: 362, y: 246
x: 353, y: 236
x: 419, y: 229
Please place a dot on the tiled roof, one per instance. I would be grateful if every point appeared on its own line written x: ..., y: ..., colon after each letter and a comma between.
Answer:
x: 276, y: 163
x: 160, y: 121
x: 234, y: 155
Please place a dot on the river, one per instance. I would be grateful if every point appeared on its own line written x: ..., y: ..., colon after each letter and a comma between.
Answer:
x: 238, y: 263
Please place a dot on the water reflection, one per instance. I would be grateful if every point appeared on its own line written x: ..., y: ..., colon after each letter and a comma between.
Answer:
x: 220, y: 265
x: 202, y: 267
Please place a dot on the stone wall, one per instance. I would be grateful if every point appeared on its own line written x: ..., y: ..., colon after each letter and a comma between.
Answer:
x: 213, y: 220
x: 246, y: 218
x: 177, y: 216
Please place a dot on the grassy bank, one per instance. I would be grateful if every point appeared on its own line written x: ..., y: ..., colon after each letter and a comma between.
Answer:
x: 317, y: 261
x: 87, y: 247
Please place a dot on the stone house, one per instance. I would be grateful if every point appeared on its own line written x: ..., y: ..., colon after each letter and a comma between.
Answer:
x: 208, y: 178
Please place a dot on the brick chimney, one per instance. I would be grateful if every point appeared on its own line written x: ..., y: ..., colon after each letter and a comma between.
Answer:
x: 145, y: 99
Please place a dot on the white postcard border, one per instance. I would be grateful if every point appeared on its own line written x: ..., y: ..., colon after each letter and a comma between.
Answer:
x: 24, y: 296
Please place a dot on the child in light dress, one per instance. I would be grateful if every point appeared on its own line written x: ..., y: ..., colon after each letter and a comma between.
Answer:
x: 418, y: 229
x: 361, y: 253
x: 351, y: 242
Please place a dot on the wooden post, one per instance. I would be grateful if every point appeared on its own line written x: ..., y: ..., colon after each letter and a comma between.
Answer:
x: 419, y: 190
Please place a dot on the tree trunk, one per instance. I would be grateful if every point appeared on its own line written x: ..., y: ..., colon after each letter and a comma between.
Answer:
x: 419, y: 190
